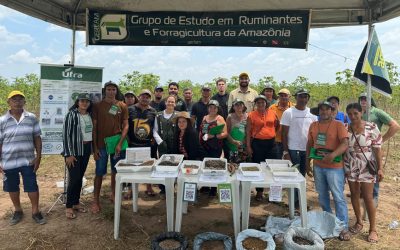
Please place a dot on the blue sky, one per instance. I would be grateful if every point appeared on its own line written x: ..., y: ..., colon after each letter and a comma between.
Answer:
x: 26, y: 42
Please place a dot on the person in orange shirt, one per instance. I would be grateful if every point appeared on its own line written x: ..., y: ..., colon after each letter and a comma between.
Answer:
x: 279, y: 107
x: 327, y: 141
x: 262, y: 125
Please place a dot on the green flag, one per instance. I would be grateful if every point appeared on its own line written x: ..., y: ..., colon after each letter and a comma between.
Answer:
x: 374, y: 63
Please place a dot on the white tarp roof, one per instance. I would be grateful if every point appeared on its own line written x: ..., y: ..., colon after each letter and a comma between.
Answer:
x: 325, y: 13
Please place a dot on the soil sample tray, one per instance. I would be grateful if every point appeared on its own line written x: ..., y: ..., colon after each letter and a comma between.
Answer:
x: 169, y: 163
x: 250, y: 169
x: 190, y: 167
x: 285, y: 171
x: 214, y: 166
x: 123, y: 166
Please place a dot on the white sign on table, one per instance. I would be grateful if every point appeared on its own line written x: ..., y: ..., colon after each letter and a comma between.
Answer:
x: 138, y: 154
x: 275, y: 193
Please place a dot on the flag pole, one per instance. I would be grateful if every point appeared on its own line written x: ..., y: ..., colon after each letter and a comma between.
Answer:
x: 369, y: 92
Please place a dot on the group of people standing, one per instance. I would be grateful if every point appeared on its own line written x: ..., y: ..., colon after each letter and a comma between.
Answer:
x: 348, y: 147
x: 242, y: 126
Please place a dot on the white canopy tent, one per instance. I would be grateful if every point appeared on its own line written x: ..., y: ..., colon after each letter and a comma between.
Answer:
x: 325, y: 13
x: 71, y: 14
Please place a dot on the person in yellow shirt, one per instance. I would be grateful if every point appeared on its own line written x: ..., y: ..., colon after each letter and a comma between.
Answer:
x: 279, y: 107
x: 243, y: 92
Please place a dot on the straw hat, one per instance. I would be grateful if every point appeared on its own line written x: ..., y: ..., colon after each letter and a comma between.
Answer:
x: 183, y: 114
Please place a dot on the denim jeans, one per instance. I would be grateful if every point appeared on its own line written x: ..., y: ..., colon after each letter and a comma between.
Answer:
x: 298, y: 157
x: 102, y: 162
x: 331, y: 180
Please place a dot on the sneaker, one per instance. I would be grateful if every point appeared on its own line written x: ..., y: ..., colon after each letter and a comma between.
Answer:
x: 38, y: 218
x: 17, y: 217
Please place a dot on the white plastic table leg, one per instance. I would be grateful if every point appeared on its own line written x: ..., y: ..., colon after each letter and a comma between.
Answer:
x: 303, y: 203
x: 169, y: 193
x: 117, y: 205
x: 185, y: 207
x: 135, y: 196
x: 246, y: 188
x: 291, y: 202
x: 236, y: 207
x: 240, y: 197
x: 179, y: 204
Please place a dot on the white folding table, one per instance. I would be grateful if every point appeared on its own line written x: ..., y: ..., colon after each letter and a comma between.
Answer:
x: 300, y: 185
x: 136, y: 179
x: 181, y: 206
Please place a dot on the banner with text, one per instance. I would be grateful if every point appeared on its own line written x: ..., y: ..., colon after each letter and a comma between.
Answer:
x: 59, y: 88
x: 285, y: 29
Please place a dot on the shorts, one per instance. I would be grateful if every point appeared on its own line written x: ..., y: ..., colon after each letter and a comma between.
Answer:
x: 101, y: 164
x: 11, y: 179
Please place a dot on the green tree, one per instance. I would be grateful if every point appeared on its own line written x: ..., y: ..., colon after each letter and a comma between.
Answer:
x: 137, y: 81
x: 29, y: 85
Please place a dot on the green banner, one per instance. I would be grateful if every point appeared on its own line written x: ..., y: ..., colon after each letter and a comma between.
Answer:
x: 59, y: 87
x: 285, y: 29
x: 71, y: 73
x: 374, y: 63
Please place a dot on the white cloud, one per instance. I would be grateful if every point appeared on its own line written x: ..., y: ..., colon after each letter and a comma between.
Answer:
x: 179, y: 54
x: 8, y: 38
x: 55, y: 28
x: 23, y: 56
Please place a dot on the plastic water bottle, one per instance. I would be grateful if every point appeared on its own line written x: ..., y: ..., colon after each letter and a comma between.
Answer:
x: 394, y: 224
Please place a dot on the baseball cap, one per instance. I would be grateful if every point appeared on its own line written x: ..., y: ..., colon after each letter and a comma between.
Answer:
x: 83, y: 96
x: 325, y: 103
x: 110, y: 83
x: 145, y: 92
x: 237, y: 100
x: 284, y: 91
x: 269, y: 86
x: 129, y: 93
x: 261, y: 97
x: 213, y: 102
x: 14, y: 93
x: 363, y: 95
x: 302, y: 91
x: 159, y: 88
x: 206, y: 87
x: 244, y: 74
x: 333, y: 97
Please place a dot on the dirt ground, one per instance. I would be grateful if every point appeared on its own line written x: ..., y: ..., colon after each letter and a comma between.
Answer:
x: 90, y: 231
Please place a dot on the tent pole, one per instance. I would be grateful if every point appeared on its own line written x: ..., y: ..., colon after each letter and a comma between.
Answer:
x: 369, y: 92
x: 73, y: 40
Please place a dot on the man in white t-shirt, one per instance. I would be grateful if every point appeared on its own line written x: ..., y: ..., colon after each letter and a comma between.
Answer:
x: 295, y: 123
